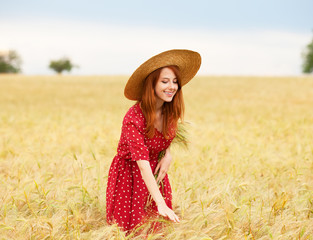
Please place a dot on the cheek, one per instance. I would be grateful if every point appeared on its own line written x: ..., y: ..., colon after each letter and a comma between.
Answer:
x: 158, y: 90
x: 158, y: 86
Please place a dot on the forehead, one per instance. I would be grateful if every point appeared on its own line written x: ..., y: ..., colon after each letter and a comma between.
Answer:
x: 167, y: 72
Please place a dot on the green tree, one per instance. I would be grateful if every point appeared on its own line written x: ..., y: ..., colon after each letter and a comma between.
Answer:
x: 307, y: 66
x: 63, y: 64
x: 10, y: 62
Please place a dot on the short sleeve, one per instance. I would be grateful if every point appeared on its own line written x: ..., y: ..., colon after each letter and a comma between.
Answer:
x: 135, y: 142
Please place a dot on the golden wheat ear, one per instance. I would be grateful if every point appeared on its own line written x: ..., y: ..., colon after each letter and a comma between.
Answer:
x: 181, y: 137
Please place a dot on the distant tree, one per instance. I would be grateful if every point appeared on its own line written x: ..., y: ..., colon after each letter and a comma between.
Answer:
x: 307, y: 66
x: 10, y: 62
x: 63, y: 64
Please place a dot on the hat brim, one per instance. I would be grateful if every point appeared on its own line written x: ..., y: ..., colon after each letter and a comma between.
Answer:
x: 187, y: 61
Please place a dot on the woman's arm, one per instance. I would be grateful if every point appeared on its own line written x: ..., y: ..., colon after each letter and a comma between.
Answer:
x: 147, y: 175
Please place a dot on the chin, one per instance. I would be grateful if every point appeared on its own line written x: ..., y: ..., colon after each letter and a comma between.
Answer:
x: 168, y: 100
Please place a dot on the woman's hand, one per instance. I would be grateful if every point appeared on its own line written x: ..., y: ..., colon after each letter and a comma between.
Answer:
x: 163, y: 166
x: 165, y: 211
x: 146, y: 173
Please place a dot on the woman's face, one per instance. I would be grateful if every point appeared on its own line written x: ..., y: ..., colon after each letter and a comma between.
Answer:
x: 166, y: 85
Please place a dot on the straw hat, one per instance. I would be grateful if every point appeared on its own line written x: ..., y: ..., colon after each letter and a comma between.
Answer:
x: 187, y: 61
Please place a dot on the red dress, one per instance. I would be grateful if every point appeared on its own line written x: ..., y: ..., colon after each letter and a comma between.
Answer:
x: 127, y: 194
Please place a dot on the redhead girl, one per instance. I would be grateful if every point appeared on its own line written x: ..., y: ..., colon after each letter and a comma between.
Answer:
x: 133, y: 193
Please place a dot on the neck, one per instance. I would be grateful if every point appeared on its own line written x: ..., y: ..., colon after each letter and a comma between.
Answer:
x: 158, y: 105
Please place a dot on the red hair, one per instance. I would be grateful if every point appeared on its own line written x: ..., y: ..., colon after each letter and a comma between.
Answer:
x: 172, y: 111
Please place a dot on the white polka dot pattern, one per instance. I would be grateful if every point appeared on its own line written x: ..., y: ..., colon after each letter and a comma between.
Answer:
x: 127, y: 194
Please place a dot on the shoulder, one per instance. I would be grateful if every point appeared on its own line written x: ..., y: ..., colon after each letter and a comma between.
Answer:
x: 134, y: 116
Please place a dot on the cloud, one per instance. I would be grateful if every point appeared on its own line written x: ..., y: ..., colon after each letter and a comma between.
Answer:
x: 120, y: 49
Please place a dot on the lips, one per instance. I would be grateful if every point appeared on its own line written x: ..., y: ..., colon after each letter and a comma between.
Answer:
x: 169, y: 94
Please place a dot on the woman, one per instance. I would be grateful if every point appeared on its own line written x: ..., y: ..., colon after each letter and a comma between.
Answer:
x: 149, y: 126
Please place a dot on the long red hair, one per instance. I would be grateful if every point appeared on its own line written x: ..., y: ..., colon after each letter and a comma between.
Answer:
x: 172, y: 111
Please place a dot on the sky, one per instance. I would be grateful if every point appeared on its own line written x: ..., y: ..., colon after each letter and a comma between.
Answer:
x: 242, y: 37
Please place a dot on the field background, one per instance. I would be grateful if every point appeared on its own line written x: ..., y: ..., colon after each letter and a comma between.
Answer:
x: 248, y: 173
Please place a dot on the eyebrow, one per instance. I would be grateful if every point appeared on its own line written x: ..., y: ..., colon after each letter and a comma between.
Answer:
x: 169, y: 78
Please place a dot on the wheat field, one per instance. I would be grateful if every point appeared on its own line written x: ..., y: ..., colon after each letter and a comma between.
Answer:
x: 247, y: 174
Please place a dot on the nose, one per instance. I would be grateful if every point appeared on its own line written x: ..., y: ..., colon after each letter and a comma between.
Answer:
x: 172, y: 85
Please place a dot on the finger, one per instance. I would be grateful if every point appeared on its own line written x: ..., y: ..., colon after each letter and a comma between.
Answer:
x: 177, y: 218
x: 160, y: 177
x: 171, y: 217
x: 157, y: 168
x: 162, y: 172
x: 174, y: 218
